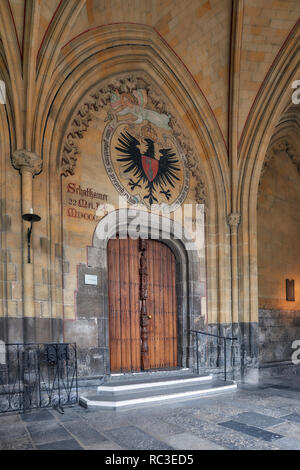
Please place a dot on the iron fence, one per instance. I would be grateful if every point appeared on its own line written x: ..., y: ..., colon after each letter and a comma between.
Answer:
x: 38, y: 376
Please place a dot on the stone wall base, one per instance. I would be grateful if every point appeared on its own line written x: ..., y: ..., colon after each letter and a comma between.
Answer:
x: 278, y: 330
x: 245, y: 361
x: 279, y: 369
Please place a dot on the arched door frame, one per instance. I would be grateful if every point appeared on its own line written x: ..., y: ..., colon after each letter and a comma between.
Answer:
x: 189, y: 289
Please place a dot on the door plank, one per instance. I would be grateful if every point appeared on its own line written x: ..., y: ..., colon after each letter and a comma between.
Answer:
x: 162, y: 306
x: 134, y: 306
x: 123, y: 294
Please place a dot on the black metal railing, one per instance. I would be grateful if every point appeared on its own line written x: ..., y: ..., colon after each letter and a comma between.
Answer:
x: 38, y: 376
x: 212, y: 353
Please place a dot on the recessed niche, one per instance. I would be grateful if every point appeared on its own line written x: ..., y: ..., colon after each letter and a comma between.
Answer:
x: 290, y: 290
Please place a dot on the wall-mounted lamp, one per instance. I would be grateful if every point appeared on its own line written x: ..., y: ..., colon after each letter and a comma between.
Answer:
x: 30, y: 218
x: 290, y: 290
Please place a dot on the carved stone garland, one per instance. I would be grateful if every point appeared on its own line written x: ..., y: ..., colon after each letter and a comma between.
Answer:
x: 101, y: 98
x: 282, y: 145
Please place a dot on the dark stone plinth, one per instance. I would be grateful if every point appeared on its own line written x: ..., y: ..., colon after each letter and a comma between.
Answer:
x: 278, y: 329
x: 31, y: 330
x: 241, y: 354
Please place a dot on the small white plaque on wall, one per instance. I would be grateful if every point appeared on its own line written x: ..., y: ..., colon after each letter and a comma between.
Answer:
x: 91, y: 279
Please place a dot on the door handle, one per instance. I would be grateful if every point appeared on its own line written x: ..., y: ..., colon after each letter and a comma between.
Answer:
x: 149, y: 316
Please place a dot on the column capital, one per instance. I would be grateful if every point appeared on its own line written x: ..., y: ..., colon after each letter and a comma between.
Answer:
x: 23, y: 160
x: 234, y: 219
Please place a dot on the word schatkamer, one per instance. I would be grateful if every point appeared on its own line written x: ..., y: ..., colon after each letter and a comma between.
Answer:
x: 74, y: 188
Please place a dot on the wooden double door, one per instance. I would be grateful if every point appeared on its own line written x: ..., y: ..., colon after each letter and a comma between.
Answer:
x: 142, y: 305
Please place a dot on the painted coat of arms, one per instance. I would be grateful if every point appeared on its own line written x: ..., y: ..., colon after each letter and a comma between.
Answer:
x: 142, y: 156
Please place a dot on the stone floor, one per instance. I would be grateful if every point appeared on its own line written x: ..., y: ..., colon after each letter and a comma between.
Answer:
x: 260, y: 417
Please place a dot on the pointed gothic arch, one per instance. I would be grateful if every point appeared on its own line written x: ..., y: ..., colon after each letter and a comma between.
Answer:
x: 103, y: 54
x: 273, y: 97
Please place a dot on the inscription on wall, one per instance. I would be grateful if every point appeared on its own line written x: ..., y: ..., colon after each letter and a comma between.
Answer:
x: 83, y: 203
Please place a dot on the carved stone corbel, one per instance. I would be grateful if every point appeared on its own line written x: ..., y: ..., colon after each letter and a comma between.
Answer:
x: 23, y: 160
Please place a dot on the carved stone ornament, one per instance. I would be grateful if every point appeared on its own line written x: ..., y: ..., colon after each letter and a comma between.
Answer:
x: 101, y: 98
x: 294, y: 155
x: 234, y: 219
x: 200, y: 193
x: 23, y: 160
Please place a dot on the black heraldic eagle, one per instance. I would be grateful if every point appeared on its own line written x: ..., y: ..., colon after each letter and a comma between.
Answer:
x: 145, y: 168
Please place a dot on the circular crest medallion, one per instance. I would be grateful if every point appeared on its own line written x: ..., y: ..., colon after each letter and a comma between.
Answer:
x: 141, y: 154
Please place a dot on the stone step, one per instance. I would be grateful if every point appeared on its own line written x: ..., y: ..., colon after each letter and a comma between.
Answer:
x: 89, y: 381
x: 139, y: 383
x: 182, y: 371
x: 90, y: 384
x: 164, y: 393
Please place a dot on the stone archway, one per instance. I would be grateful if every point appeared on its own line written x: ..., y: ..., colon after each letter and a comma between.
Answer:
x: 278, y: 254
x: 206, y: 155
x: 274, y: 96
x: 75, y: 99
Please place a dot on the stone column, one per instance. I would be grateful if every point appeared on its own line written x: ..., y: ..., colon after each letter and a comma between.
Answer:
x: 29, y: 164
x: 236, y: 359
x: 233, y: 221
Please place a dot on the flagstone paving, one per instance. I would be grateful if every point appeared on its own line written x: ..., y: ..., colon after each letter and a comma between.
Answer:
x: 262, y: 417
